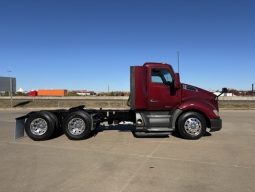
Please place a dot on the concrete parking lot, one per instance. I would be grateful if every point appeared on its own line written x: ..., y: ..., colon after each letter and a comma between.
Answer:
x: 115, y: 161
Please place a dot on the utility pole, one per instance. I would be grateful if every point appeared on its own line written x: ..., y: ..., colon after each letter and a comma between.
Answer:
x: 252, y: 89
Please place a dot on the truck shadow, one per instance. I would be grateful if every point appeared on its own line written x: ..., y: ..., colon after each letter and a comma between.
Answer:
x: 119, y: 127
x: 123, y: 128
x: 58, y: 133
x: 177, y: 134
x: 207, y: 134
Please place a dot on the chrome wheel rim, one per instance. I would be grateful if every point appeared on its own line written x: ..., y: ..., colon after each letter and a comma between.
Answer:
x: 193, y: 126
x: 38, y: 126
x: 76, y: 126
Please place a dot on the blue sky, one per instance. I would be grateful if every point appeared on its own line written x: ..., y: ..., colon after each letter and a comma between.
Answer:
x: 90, y: 44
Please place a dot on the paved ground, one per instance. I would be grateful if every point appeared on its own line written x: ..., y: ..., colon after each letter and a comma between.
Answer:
x: 116, y: 161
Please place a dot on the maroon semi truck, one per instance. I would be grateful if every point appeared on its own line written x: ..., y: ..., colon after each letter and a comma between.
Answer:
x: 159, y: 105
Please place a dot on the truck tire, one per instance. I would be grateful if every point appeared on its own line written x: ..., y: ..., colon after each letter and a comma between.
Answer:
x: 58, y: 131
x: 40, y: 125
x: 77, y: 125
x: 53, y: 117
x: 191, y: 125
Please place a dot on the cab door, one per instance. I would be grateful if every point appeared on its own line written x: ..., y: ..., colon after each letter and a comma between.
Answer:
x: 161, y: 92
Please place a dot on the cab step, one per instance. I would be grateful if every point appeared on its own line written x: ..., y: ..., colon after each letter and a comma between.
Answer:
x: 140, y: 134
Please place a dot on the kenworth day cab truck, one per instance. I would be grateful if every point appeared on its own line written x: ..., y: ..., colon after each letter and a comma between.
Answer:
x: 159, y: 104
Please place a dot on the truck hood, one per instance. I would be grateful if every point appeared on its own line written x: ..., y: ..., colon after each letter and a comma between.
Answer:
x: 190, y: 92
x: 196, y: 91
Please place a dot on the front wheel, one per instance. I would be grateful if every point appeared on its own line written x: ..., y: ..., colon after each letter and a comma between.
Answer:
x: 191, y: 125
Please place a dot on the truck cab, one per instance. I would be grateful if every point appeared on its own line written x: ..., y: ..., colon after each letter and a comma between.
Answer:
x: 162, y: 103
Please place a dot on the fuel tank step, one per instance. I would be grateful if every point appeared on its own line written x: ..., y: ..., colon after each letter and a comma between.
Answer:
x: 150, y: 134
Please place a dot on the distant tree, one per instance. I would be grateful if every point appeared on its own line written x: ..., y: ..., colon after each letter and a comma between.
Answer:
x: 234, y: 92
x: 113, y: 93
x: 72, y: 93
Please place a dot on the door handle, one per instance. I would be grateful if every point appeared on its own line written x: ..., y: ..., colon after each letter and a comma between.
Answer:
x: 153, y: 101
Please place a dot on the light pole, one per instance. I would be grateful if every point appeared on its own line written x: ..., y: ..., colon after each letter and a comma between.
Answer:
x: 9, y: 71
x: 252, y: 89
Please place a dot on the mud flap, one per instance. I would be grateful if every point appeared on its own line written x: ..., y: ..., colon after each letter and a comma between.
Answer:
x: 20, y: 128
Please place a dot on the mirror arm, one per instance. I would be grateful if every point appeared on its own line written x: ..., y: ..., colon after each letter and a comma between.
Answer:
x: 224, y: 90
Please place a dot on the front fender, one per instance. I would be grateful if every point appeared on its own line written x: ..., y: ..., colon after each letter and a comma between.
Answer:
x: 199, y: 105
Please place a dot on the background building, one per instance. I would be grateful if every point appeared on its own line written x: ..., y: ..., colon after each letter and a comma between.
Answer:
x: 7, y: 84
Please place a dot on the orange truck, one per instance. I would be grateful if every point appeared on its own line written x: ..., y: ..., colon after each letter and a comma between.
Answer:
x: 52, y: 92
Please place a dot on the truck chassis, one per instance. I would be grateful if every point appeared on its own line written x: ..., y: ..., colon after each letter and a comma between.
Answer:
x: 78, y: 123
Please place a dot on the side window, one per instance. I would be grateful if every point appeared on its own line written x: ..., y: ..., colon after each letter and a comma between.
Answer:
x: 155, y: 76
x: 160, y: 76
x: 167, y: 75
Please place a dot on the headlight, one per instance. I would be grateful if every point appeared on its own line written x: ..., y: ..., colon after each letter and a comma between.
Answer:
x: 216, y: 112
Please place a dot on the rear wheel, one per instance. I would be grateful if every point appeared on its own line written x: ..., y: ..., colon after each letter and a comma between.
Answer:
x: 191, y: 125
x: 40, y: 125
x: 77, y: 125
